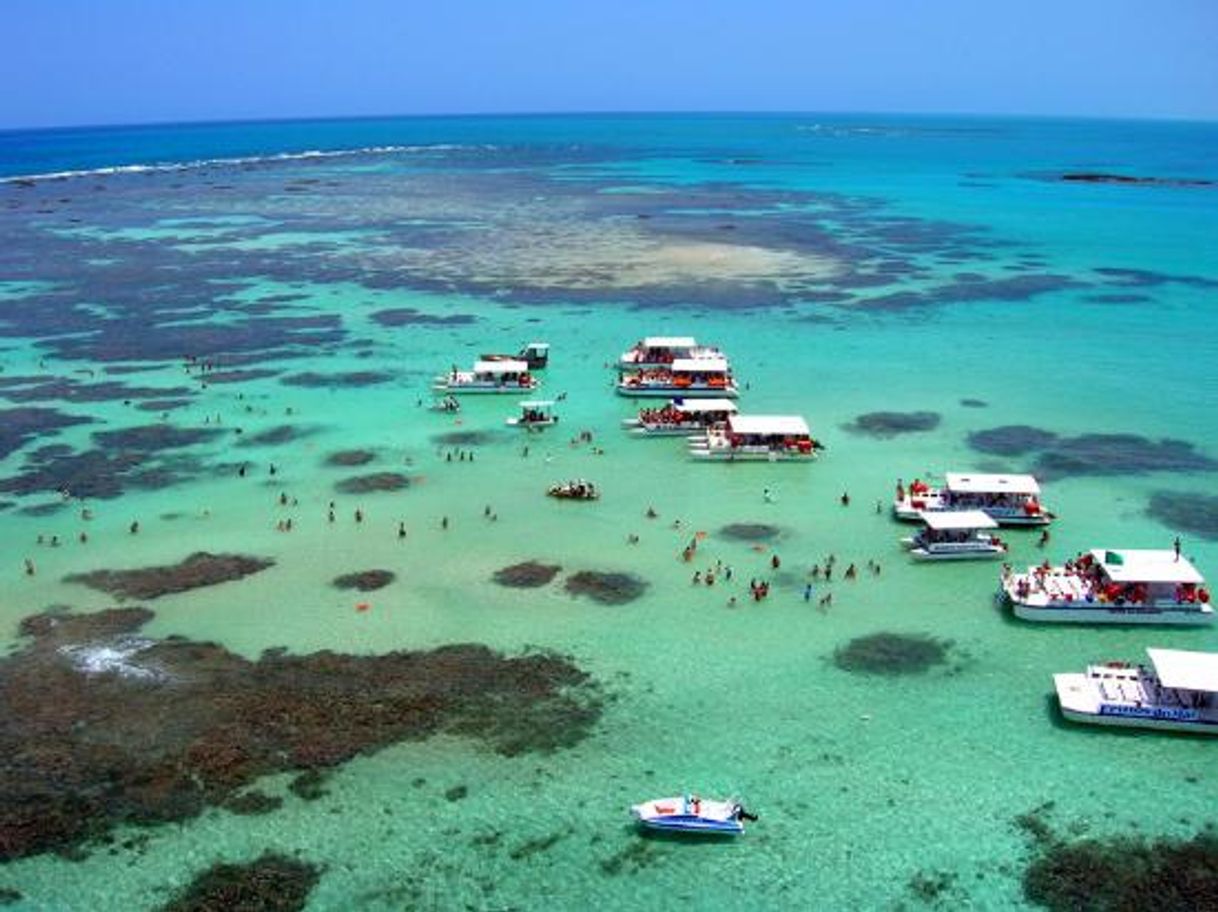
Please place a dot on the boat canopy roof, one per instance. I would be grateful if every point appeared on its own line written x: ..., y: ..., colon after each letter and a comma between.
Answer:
x: 694, y: 406
x: 1186, y: 669
x: 700, y: 365
x: 668, y: 342
x: 1146, y: 566
x: 500, y: 367
x: 537, y: 404
x: 778, y: 425
x: 537, y: 346
x: 971, y: 483
x: 943, y: 520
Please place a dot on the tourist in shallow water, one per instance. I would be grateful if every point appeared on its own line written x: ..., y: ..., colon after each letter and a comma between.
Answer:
x: 401, y: 530
x: 359, y: 515
x: 135, y: 527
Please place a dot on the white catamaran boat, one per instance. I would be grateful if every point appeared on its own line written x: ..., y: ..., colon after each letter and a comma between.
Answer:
x: 536, y: 413
x: 1180, y: 694
x: 757, y: 438
x: 691, y: 814
x: 511, y: 377
x: 955, y: 535
x: 662, y: 351
x: 681, y: 417
x: 685, y: 377
x: 1112, y: 587
x: 1011, y: 500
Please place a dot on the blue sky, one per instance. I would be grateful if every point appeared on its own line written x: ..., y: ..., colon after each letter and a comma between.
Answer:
x: 132, y: 61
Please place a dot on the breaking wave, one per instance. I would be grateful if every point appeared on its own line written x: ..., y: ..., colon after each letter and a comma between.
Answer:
x: 271, y: 158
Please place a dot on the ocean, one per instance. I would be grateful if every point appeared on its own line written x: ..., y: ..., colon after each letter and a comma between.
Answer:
x: 209, y: 330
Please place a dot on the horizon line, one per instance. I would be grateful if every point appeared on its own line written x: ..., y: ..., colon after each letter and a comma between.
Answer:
x: 607, y: 112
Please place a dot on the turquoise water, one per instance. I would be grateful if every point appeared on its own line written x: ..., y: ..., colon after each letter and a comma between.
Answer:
x: 847, y: 264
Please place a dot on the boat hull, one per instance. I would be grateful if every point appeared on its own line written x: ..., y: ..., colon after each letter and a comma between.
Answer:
x: 922, y: 554
x: 742, y: 454
x: 683, y: 392
x: 905, y: 512
x: 1104, y: 613
x: 461, y: 390
x: 1123, y: 721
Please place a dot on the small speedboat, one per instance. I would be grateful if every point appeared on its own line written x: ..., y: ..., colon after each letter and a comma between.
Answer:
x: 691, y: 814
x: 574, y: 490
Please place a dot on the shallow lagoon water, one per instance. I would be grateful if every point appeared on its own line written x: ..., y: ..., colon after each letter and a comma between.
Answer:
x: 862, y: 782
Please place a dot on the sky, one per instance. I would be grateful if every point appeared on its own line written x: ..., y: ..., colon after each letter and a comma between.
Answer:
x: 74, y: 62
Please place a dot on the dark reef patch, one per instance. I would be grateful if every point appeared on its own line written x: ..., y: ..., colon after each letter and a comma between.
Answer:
x: 974, y: 403
x: 153, y: 438
x: 606, y: 588
x: 750, y: 532
x: 1011, y: 440
x: 1119, y: 454
x: 466, y: 438
x: 348, y: 458
x: 163, y: 405
x: 241, y: 375
x: 1118, y: 299
x: 892, y: 654
x: 272, y: 883
x: 66, y: 390
x: 1122, y: 873
x: 1013, y: 288
x: 1104, y: 177
x: 275, y: 436
x: 253, y: 803
x: 365, y: 580
x: 1195, y: 512
x: 377, y: 481
x: 890, y: 424
x: 526, y: 575
x: 44, y: 509
x: 348, y: 380
x: 196, y: 571
x: 87, y: 698
x: 310, y: 785
x: 408, y: 316
x: 96, y: 473
x: 1091, y: 454
x: 18, y: 426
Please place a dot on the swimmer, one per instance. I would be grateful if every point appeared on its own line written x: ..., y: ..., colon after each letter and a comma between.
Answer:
x: 401, y: 530
x: 767, y: 496
x: 135, y: 527
x: 359, y: 515
x: 845, y: 498
x: 444, y: 523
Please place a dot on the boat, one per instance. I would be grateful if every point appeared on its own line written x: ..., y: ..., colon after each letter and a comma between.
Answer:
x: 661, y: 351
x: 1011, y: 500
x: 510, y: 377
x: 536, y: 355
x: 691, y: 814
x: 577, y: 489
x: 536, y: 413
x: 680, y: 417
x: 955, y: 535
x: 756, y: 438
x: 1105, y: 586
x: 1179, y: 694
x: 685, y: 377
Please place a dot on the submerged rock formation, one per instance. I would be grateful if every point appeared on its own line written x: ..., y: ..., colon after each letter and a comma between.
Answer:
x: 105, y: 726
x: 198, y: 570
x: 526, y: 575
x: 272, y: 883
